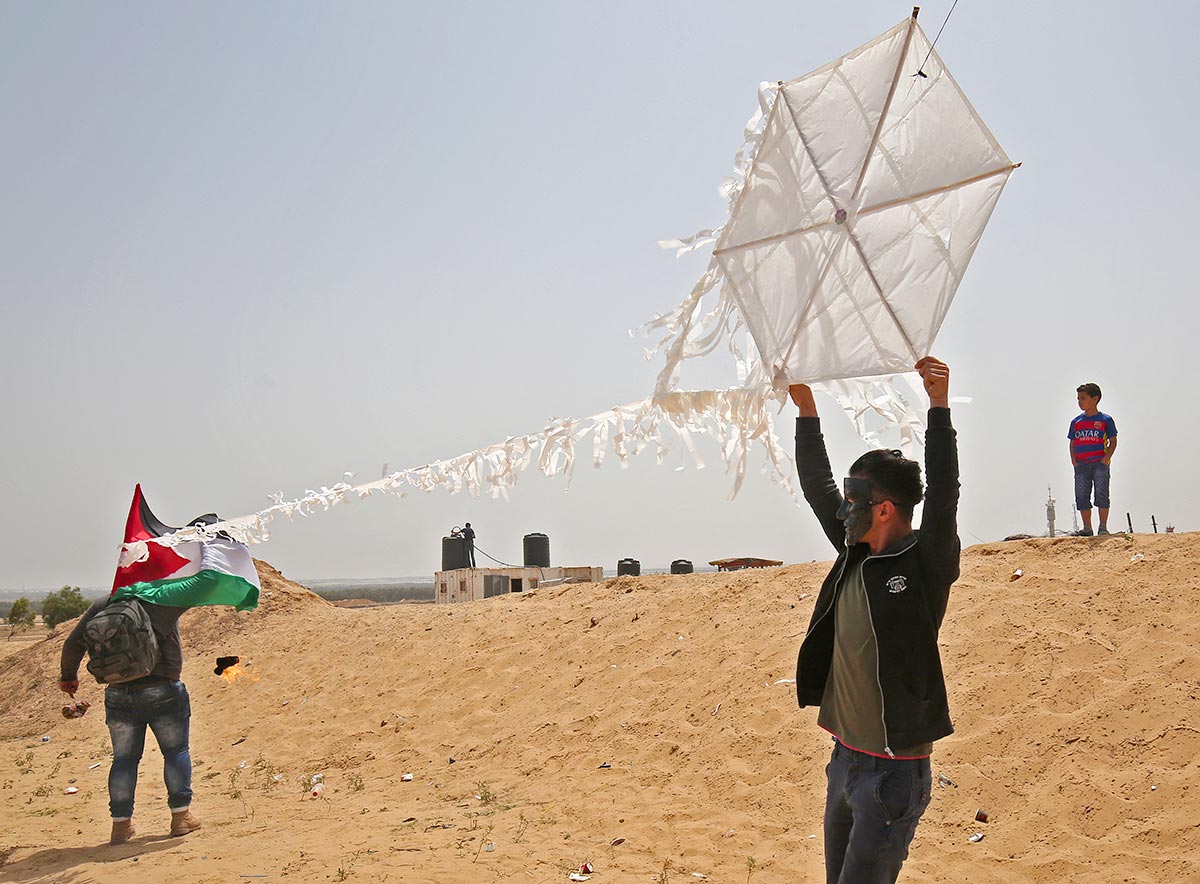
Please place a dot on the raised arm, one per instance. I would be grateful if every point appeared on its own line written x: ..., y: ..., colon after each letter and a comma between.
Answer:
x: 812, y: 463
x: 939, y: 522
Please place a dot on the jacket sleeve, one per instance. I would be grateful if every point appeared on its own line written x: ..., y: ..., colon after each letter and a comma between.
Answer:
x: 939, y: 523
x: 816, y: 479
x: 73, y: 648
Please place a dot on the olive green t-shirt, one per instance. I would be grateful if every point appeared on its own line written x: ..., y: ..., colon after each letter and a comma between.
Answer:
x: 852, y: 706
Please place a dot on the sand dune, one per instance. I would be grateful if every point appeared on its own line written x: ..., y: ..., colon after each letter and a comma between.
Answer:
x: 1074, y: 692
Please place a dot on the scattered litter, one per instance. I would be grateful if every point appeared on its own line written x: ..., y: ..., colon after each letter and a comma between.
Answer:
x: 1137, y: 557
x: 490, y: 846
x: 318, y: 790
x: 242, y: 764
x: 944, y: 781
x: 1017, y: 574
x: 453, y: 760
x: 77, y: 710
x: 715, y: 711
x: 803, y: 596
x: 407, y: 778
x: 70, y: 790
x: 981, y: 816
x: 700, y: 875
x: 46, y: 739
x: 1154, y: 788
x: 575, y: 876
x: 238, y: 741
x: 409, y: 819
x: 976, y: 838
x: 615, y: 841
x: 729, y: 833
x: 786, y: 681
x: 810, y: 837
x: 586, y: 869
x: 94, y: 766
x: 604, y: 766
x: 278, y: 778
x: 681, y: 638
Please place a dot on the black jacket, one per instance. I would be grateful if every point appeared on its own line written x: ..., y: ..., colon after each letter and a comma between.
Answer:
x: 908, y: 586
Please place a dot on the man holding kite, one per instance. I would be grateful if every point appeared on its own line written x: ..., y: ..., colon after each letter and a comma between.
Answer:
x: 870, y: 657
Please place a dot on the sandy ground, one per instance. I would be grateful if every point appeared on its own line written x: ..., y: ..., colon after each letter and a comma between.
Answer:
x: 1074, y: 689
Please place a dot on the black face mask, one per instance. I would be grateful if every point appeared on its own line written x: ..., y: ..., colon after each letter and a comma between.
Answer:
x: 855, y: 512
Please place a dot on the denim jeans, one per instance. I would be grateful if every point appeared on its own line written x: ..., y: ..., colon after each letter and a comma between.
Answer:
x: 1087, y: 475
x: 872, y: 808
x: 164, y: 706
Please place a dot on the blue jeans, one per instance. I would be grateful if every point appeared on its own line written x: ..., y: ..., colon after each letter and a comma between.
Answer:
x: 164, y: 706
x: 872, y: 808
x: 1087, y: 475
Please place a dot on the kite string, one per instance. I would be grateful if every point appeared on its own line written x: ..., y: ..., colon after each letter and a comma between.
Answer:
x: 938, y: 37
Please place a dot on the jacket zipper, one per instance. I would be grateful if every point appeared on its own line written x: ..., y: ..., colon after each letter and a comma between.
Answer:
x: 871, y: 619
x: 833, y: 602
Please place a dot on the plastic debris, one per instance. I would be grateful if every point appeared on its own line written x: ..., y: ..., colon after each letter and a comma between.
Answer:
x: 318, y: 790
x: 575, y: 876
x: 981, y: 816
x: 1154, y: 788
x: 700, y: 875
x: 1017, y: 574
x: 453, y: 760
x: 94, y: 766
x: 407, y: 778
x: 70, y: 790
x: 976, y: 838
x: 604, y: 766
x: 46, y: 739
x: 786, y: 681
x: 615, y: 841
x: 490, y: 846
x: 944, y: 781
x: 586, y: 869
x: 1137, y: 557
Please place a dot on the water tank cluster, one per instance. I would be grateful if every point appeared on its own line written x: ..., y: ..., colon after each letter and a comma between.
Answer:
x: 536, y: 549
x: 633, y: 568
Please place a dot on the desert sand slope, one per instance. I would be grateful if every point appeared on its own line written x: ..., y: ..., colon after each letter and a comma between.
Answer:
x: 1074, y: 690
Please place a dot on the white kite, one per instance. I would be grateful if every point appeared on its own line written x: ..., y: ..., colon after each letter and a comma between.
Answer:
x: 856, y: 204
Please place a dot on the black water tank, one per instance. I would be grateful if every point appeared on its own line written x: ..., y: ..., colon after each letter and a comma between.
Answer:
x: 537, y: 551
x: 681, y: 566
x: 454, y: 553
x: 631, y: 567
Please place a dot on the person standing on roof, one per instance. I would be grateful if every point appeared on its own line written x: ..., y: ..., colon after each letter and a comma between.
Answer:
x: 468, y: 534
x: 870, y: 657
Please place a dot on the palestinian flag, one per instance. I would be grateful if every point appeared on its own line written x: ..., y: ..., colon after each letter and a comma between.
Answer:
x: 214, y: 572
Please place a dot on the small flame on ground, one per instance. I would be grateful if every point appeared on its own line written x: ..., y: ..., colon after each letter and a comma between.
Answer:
x: 236, y: 673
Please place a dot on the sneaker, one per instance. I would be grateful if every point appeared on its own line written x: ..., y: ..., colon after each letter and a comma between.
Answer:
x: 1102, y: 530
x: 182, y: 822
x: 1082, y: 532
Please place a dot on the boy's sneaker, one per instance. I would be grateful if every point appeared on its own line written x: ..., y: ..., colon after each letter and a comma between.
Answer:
x: 1083, y: 532
x: 1101, y: 530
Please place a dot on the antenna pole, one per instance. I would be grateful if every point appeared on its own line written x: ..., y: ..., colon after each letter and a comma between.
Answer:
x: 916, y: 10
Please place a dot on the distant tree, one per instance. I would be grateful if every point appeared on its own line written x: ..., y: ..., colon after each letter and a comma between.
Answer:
x: 20, y: 616
x: 66, y: 604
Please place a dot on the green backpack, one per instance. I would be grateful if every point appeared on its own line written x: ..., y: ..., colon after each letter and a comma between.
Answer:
x: 121, y: 643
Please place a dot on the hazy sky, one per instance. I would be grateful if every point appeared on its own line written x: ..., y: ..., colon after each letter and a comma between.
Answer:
x: 247, y: 247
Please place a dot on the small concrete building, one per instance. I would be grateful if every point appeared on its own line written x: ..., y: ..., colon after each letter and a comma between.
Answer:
x: 472, y: 584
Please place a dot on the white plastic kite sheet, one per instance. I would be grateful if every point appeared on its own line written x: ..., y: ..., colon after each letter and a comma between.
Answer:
x: 856, y: 203
x: 860, y: 197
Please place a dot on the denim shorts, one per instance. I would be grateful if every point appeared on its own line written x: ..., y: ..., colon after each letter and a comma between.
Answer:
x: 1088, y: 475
